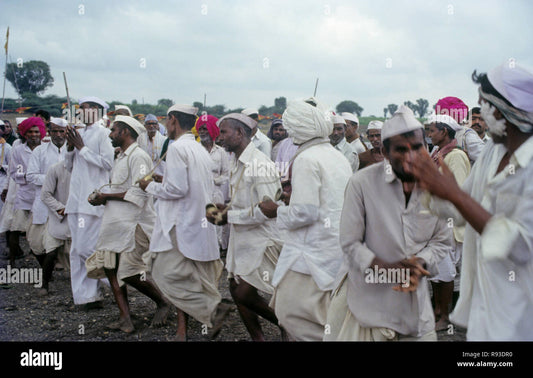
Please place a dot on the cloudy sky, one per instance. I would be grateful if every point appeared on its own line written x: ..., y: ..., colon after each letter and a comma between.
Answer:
x: 246, y: 53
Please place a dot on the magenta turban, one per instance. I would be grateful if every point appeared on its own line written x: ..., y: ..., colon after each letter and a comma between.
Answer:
x: 211, y: 123
x: 28, y: 123
x: 453, y: 107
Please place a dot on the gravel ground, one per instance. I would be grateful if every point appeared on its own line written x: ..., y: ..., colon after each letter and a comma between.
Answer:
x: 26, y: 317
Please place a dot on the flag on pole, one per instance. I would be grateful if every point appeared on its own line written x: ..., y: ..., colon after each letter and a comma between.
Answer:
x: 7, y: 39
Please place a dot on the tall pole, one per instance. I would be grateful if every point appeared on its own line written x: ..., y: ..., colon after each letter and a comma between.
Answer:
x: 205, y: 99
x: 316, y: 86
x: 68, y: 99
x: 6, y: 46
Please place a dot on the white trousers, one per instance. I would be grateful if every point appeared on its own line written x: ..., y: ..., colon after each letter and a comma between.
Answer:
x: 84, y: 230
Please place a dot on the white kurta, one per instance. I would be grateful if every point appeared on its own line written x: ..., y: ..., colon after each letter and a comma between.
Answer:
x: 153, y: 148
x: 358, y: 145
x: 18, y: 167
x: 262, y: 143
x: 42, y: 158
x: 496, y: 294
x: 253, y: 176
x: 349, y: 152
x: 470, y: 142
x: 120, y: 219
x: 54, y: 195
x: 186, y: 189
x: 311, y: 221
x: 5, y: 156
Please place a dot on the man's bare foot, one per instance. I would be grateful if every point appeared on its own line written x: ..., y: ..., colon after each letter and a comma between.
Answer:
x: 442, y: 324
x: 161, y: 315
x: 124, y: 325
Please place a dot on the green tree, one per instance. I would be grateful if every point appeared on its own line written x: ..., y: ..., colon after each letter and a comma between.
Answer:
x: 166, y: 102
x: 30, y: 77
x: 392, y: 108
x: 422, y: 107
x: 350, y: 107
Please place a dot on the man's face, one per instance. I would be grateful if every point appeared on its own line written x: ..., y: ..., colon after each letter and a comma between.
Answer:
x: 351, y: 129
x: 338, y: 133
x: 374, y: 137
x: 7, y: 127
x: 204, y: 134
x: 89, y: 113
x: 57, y: 134
x: 33, y: 136
x: 229, y: 137
x: 172, y: 127
x: 478, y: 124
x: 436, y: 135
x: 151, y: 128
x: 403, y: 150
x: 278, y: 132
x: 116, y: 135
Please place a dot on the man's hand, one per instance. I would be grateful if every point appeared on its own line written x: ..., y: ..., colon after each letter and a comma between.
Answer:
x: 144, y: 183
x: 416, y: 272
x: 157, y: 178
x: 74, y: 139
x: 98, y: 200
x: 430, y: 178
x: 3, y: 195
x: 217, y: 215
x: 269, y: 208
x: 61, y: 211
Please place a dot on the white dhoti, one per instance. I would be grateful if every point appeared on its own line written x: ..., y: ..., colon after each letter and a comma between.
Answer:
x: 84, y: 231
x: 129, y: 263
x: 191, y: 286
x: 301, y: 307
x: 342, y: 326
x: 63, y: 254
x: 35, y: 236
x: 20, y: 221
x: 261, y: 277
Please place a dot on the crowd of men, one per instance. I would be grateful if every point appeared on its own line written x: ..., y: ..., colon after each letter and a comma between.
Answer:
x: 322, y: 233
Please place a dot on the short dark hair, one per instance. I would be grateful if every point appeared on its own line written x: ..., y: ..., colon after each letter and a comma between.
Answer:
x: 187, y: 121
x: 43, y: 113
x: 121, y: 125
x: 442, y: 126
x: 483, y: 80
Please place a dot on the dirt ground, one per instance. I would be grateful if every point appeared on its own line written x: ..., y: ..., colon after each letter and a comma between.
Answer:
x: 26, y: 317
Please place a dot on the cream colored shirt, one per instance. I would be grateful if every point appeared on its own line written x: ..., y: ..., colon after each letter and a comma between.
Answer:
x: 252, y: 177
x: 375, y: 222
x: 349, y: 152
x: 54, y: 194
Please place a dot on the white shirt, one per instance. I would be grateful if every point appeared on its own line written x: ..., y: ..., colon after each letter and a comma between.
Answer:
x: 349, y: 152
x: 469, y: 142
x: 153, y: 148
x: 42, y: 158
x: 286, y: 151
x: 311, y: 221
x: 253, y: 176
x: 186, y: 189
x: 220, y: 171
x: 358, y: 145
x: 5, y: 151
x: 120, y: 219
x: 20, y: 156
x: 54, y: 194
x: 90, y: 168
x: 496, y: 294
x: 262, y: 142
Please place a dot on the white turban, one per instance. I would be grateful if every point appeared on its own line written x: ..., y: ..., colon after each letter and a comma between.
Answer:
x: 446, y: 119
x: 402, y: 121
x: 131, y: 122
x: 304, y: 121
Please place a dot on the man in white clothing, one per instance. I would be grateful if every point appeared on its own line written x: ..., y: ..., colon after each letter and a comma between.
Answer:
x: 89, y: 158
x: 338, y: 140
x: 261, y: 141
x: 127, y: 224
x: 496, y: 203
x: 42, y: 158
x: 186, y: 262
x: 352, y: 136
x: 255, y: 241
x: 311, y: 255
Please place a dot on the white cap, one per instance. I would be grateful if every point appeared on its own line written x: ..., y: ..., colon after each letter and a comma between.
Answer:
x: 252, y: 124
x: 131, y: 122
x: 338, y: 119
x: 96, y: 100
x: 401, y: 122
x: 446, y: 119
x: 62, y: 122
x: 187, y: 109
x: 19, y: 120
x: 2, y: 123
x: 118, y: 107
x: 515, y: 84
x: 350, y: 117
x: 375, y: 125
x: 250, y: 111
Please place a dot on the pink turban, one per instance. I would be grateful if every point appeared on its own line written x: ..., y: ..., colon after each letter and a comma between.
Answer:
x: 211, y: 123
x: 28, y: 123
x: 453, y: 107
